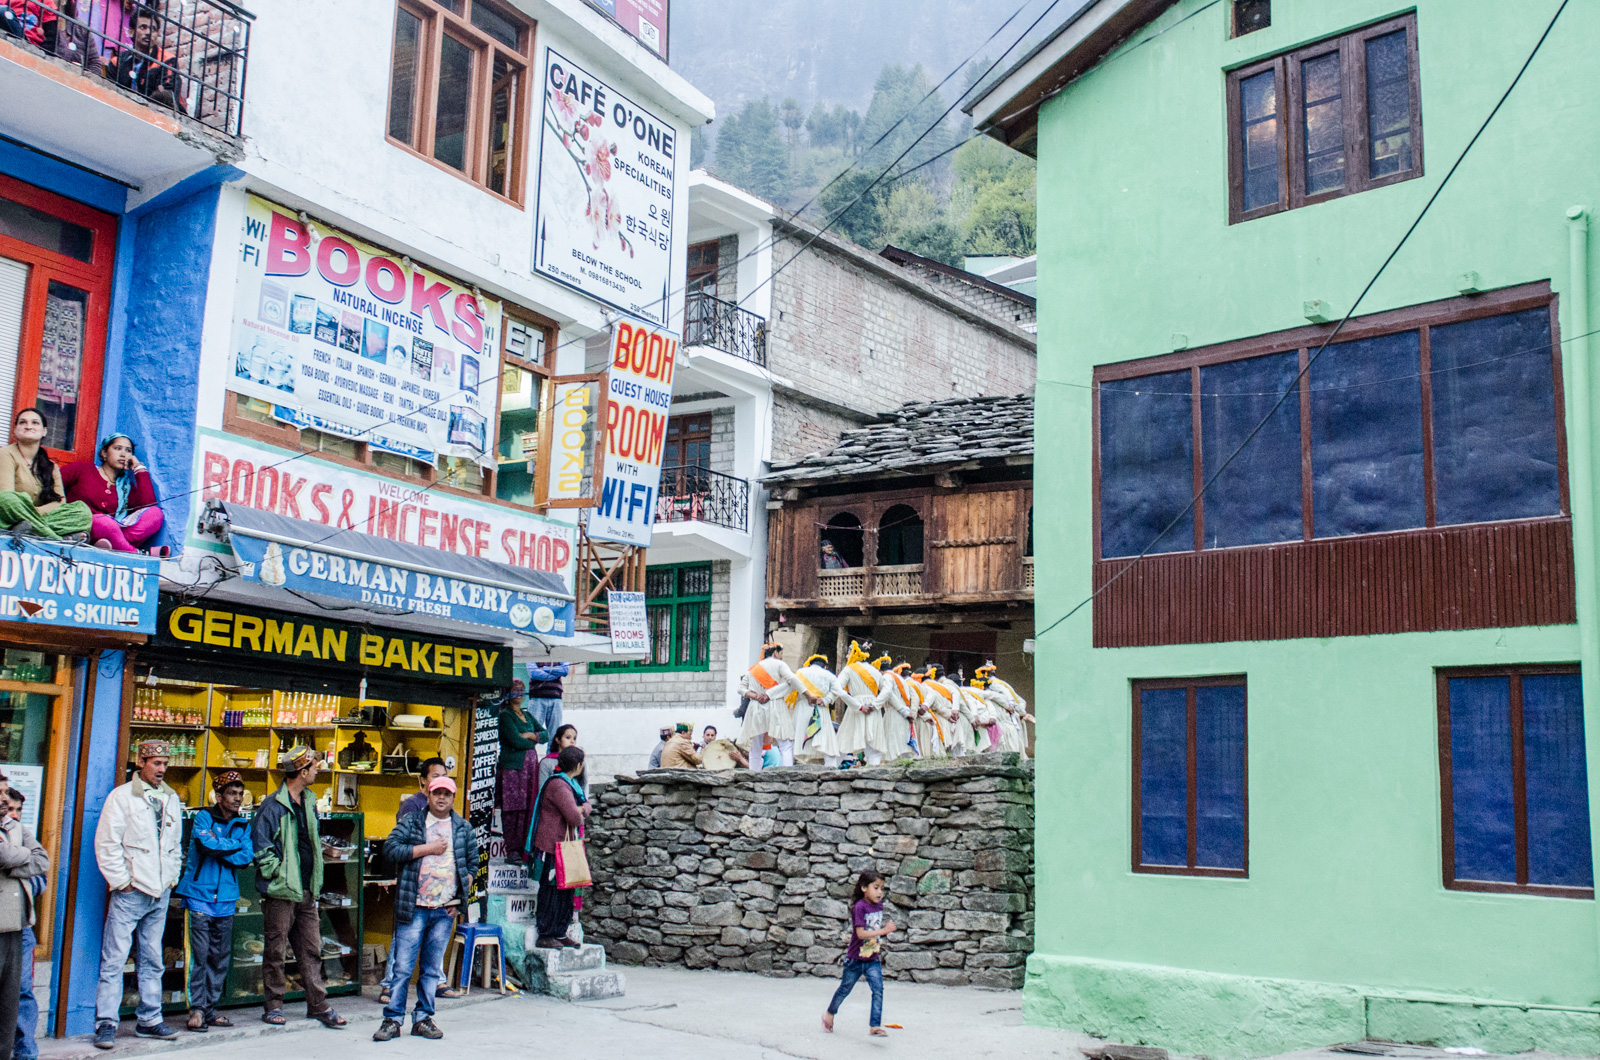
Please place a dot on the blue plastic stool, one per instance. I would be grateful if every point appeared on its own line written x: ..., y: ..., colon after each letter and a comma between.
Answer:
x: 470, y: 937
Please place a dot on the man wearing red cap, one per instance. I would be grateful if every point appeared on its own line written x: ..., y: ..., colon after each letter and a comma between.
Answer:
x: 435, y: 852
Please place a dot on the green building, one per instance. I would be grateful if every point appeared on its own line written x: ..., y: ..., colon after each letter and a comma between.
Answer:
x: 1314, y: 769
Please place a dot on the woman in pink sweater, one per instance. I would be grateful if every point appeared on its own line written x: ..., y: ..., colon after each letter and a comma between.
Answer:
x: 118, y: 491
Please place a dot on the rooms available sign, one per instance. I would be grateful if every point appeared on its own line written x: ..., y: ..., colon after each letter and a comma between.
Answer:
x: 607, y: 170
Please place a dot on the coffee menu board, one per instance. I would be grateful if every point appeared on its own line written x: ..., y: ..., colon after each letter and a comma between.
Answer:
x: 480, y: 789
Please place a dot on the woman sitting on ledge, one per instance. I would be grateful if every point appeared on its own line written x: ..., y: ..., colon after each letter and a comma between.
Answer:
x: 120, y: 495
x: 30, y: 484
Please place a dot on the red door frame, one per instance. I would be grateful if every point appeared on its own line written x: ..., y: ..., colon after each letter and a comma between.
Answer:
x: 93, y: 276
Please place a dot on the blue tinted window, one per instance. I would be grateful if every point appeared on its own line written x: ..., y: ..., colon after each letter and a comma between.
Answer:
x: 1257, y: 499
x: 1163, y: 777
x: 1494, y: 419
x: 1366, y: 437
x: 1558, y: 781
x: 1146, y: 464
x: 1482, y: 803
x: 1219, y: 776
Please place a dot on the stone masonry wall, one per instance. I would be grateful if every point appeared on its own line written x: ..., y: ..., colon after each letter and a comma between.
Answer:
x: 870, y: 336
x: 753, y: 871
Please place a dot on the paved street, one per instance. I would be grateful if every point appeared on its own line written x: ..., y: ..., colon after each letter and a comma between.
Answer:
x: 668, y: 1013
x: 672, y: 1014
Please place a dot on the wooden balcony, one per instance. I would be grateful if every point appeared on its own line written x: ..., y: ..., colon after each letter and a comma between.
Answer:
x: 859, y: 585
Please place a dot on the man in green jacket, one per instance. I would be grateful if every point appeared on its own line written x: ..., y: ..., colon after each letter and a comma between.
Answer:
x: 289, y: 877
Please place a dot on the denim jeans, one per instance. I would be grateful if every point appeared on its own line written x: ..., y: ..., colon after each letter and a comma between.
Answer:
x: 548, y: 711
x: 428, y: 932
x: 27, y: 1005
x: 853, y: 971
x: 130, y: 914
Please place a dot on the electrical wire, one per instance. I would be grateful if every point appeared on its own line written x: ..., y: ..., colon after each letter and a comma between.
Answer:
x: 1294, y: 387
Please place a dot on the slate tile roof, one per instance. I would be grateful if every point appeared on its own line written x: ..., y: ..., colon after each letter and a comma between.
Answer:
x: 921, y: 437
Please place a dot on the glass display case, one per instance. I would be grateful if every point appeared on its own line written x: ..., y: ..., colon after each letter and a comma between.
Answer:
x: 343, y: 844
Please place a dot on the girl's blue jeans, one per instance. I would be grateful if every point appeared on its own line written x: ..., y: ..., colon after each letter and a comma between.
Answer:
x: 853, y: 971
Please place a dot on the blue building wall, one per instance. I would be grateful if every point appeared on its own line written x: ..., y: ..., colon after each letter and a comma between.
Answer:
x: 102, y: 757
x: 152, y: 374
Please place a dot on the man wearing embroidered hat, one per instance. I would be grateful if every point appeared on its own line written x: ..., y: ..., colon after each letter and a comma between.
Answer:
x: 289, y: 878
x: 219, y: 846
x: 766, y: 684
x: 679, y: 752
x: 814, y: 734
x: 139, y: 847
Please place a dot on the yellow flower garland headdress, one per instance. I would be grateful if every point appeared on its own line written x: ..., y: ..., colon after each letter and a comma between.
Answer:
x: 856, y: 654
x: 815, y: 658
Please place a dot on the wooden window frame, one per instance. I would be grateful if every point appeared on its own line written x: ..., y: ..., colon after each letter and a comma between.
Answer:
x: 436, y: 19
x: 1189, y: 684
x: 697, y: 273
x: 677, y: 602
x: 1351, y: 47
x: 1306, y: 340
x: 697, y: 436
x: 1519, y: 783
x: 93, y: 276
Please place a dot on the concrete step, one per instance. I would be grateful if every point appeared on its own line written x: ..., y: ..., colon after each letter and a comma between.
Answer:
x: 568, y: 960
x: 572, y: 974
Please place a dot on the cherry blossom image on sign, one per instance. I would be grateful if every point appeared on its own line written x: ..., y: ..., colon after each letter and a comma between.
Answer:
x: 607, y: 182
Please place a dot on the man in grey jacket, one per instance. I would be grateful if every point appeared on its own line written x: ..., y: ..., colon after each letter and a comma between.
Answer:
x: 21, y: 859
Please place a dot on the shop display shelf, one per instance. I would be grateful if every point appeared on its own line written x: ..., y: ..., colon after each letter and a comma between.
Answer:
x: 169, y: 725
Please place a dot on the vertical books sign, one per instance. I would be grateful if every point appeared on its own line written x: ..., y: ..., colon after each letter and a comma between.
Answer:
x: 638, y: 401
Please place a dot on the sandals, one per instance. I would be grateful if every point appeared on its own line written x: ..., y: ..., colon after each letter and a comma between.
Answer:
x: 878, y: 1032
x: 275, y: 1017
x: 329, y: 1018
x: 449, y: 992
x: 383, y: 997
x: 219, y: 1020
x: 197, y: 1022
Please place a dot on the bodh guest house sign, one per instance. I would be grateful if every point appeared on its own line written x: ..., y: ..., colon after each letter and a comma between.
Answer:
x: 296, y: 641
x: 638, y: 402
x: 607, y: 173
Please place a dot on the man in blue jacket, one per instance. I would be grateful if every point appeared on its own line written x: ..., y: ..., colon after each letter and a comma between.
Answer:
x: 436, y: 853
x: 219, y: 846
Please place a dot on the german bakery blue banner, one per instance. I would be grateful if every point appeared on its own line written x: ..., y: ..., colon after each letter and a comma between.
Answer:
x: 336, y: 334
x: 50, y: 584
x: 391, y: 576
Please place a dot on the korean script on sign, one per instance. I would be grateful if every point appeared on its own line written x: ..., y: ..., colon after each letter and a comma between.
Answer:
x: 638, y: 400
x: 607, y: 173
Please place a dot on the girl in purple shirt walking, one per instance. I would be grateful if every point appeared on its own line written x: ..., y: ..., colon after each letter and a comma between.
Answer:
x: 864, y: 955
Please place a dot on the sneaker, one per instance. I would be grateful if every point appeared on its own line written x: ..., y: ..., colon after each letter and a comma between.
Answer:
x: 105, y: 1036
x: 155, y: 1030
x: 426, y: 1029
x: 387, y: 1031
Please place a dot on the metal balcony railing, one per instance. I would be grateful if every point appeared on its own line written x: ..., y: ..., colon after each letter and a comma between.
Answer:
x: 709, y: 321
x: 697, y: 494
x: 190, y: 58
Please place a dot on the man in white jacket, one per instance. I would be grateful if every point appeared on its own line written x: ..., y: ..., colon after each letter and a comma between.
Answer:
x: 139, y: 846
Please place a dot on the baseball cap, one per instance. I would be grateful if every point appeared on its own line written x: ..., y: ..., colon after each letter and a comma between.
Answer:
x: 444, y: 783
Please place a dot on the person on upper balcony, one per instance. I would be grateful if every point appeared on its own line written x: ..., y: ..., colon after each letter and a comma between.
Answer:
x: 831, y: 560
x: 144, y: 68
x: 119, y: 493
x: 30, y: 484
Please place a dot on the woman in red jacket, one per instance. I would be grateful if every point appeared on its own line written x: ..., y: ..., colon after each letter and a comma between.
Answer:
x: 562, y: 810
x: 118, y: 491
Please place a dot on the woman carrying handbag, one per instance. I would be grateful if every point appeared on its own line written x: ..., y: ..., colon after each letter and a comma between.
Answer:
x: 557, y: 843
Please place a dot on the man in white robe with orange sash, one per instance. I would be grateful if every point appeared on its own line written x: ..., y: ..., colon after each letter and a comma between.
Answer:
x: 767, y: 684
x: 814, y: 736
x: 898, y: 706
x: 928, y: 726
x: 1014, y: 714
x: 953, y: 709
x: 862, y: 727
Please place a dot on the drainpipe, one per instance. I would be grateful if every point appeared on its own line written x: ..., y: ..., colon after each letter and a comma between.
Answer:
x: 1582, y: 488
